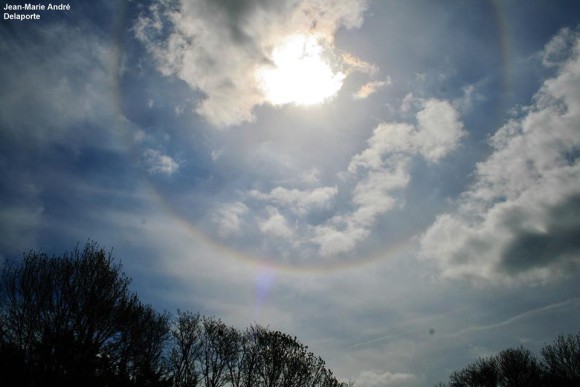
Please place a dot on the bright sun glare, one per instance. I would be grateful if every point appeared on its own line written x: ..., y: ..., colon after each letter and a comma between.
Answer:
x: 299, y: 73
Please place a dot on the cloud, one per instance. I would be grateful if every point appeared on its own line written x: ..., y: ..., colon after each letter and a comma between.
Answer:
x: 386, y: 379
x: 519, y: 219
x: 51, y: 100
x: 361, y: 66
x: 217, y: 47
x: 298, y: 201
x: 559, y: 48
x: 338, y: 236
x: 58, y: 114
x: 438, y: 132
x: 310, y: 177
x: 158, y: 163
x: 229, y: 218
x: 372, y: 196
x: 471, y: 95
x: 407, y: 102
x: 521, y: 316
x: 275, y: 224
x: 383, y: 169
x: 370, y: 88
x: 330, y: 220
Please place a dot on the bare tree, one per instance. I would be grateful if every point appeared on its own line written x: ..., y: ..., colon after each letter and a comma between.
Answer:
x: 284, y: 361
x: 209, y: 353
x: 218, y: 350
x: 513, y: 367
x: 562, y: 360
x: 518, y: 367
x: 185, y: 350
x: 249, y: 357
x: 483, y: 373
x: 73, y: 321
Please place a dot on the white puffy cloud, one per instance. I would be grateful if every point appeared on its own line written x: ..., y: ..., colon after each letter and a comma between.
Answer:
x: 157, y: 162
x: 383, y: 169
x: 333, y: 240
x: 299, y: 201
x: 372, y: 197
x: 438, y: 132
x: 275, y: 224
x: 310, y: 177
x: 217, y: 47
x: 229, y: 218
x: 387, y: 138
x: 519, y: 218
x: 334, y: 220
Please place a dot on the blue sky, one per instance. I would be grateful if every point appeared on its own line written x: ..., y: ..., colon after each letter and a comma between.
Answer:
x: 423, y: 213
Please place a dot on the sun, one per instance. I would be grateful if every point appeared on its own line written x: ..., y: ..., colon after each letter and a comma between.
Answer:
x: 299, y: 74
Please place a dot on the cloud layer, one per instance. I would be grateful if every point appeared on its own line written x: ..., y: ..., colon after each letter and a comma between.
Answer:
x: 519, y: 219
x: 218, y: 47
x: 333, y: 220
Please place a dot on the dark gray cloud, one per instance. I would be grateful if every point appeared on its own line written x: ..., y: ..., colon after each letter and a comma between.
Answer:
x: 54, y: 90
x: 65, y: 147
x: 558, y: 245
x: 238, y: 15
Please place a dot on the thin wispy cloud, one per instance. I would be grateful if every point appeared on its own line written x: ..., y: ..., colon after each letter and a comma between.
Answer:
x: 371, y: 88
x: 530, y: 313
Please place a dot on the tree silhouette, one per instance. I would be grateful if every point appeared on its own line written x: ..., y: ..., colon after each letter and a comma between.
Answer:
x: 206, y: 352
x: 518, y: 367
x: 242, y: 366
x: 218, y: 349
x: 483, y: 373
x: 515, y: 367
x: 185, y: 349
x: 562, y: 361
x: 71, y: 321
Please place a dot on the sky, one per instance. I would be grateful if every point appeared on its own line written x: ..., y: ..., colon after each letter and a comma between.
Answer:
x: 395, y: 183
